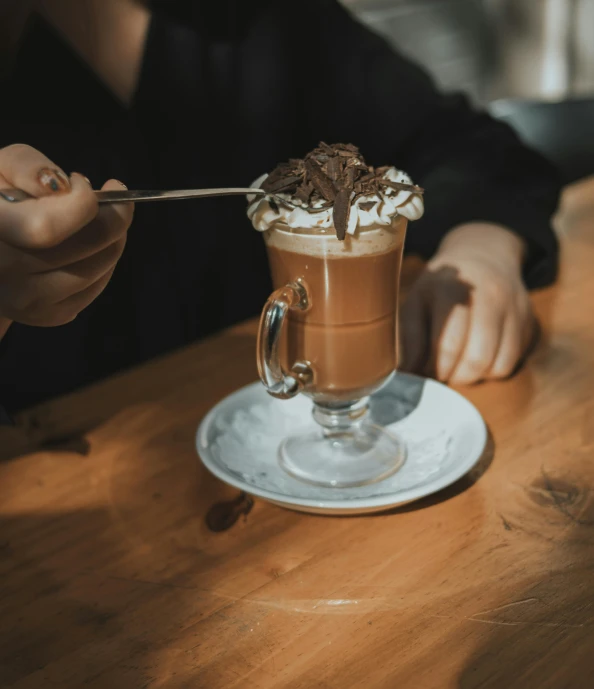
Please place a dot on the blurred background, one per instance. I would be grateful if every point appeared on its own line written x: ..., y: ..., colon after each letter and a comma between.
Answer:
x: 529, y: 62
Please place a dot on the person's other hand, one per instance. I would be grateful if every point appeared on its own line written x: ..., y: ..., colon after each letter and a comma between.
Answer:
x: 468, y: 317
x: 58, y: 250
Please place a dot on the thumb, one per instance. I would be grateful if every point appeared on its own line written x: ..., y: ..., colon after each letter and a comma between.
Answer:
x: 24, y: 167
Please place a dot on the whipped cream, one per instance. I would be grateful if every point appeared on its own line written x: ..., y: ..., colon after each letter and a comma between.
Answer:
x: 407, y: 204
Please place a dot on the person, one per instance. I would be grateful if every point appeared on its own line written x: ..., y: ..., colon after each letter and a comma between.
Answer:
x: 189, y: 94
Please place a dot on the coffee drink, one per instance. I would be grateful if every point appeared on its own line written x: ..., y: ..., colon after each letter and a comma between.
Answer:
x: 348, y: 333
x: 334, y: 229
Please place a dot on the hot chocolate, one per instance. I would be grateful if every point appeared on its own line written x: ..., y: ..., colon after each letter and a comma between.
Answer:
x: 334, y: 231
x: 348, y: 333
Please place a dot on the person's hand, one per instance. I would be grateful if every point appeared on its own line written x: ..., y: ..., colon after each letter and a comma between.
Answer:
x: 58, y: 250
x: 468, y: 317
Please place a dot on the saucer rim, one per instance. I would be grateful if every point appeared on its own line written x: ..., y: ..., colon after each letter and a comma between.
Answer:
x: 344, y: 506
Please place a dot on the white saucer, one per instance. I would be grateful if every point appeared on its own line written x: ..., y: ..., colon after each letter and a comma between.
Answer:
x: 444, y: 433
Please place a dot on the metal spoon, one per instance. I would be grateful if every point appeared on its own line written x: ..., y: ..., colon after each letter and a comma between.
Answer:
x: 16, y: 195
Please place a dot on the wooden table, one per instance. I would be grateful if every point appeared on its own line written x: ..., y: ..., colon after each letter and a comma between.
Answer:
x: 111, y: 577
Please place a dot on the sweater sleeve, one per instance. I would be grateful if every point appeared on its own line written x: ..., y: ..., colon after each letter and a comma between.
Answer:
x: 472, y: 166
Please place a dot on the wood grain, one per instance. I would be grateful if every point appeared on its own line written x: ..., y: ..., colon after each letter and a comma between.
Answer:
x: 111, y: 578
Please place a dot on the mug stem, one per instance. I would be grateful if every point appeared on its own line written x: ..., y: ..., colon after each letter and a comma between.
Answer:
x: 338, y: 418
x: 347, y: 450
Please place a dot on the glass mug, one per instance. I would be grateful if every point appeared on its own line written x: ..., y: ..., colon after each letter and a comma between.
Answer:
x: 329, y: 331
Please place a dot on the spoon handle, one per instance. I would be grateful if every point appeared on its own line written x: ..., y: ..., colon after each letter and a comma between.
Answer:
x: 16, y: 195
x: 173, y: 195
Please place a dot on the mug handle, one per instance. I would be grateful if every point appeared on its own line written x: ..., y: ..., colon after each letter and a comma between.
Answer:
x: 278, y: 383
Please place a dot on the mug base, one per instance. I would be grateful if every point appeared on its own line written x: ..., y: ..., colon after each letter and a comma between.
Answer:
x: 359, y: 456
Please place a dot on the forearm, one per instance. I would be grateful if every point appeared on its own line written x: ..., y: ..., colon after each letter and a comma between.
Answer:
x: 475, y: 171
x: 474, y: 168
x: 109, y: 35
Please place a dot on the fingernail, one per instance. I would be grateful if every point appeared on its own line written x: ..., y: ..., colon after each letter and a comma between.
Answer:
x: 79, y: 174
x: 121, y: 184
x: 53, y: 180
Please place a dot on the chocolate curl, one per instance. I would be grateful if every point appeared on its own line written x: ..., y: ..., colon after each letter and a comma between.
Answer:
x: 401, y: 186
x: 341, y: 212
x: 322, y: 184
x: 333, y: 176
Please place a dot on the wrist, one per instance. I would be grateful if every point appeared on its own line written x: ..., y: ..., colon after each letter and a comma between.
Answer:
x: 484, y: 241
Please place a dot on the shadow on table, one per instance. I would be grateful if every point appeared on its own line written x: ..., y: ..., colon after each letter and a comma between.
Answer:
x: 460, y: 486
x: 98, y: 595
x: 544, y: 636
x: 106, y: 555
x: 395, y: 403
x: 44, y: 612
x: 62, y: 425
x: 457, y: 488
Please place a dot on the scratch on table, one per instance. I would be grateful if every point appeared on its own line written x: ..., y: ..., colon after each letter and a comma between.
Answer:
x: 506, y: 525
x: 497, y: 622
x: 508, y: 605
x: 337, y: 601
x: 476, y: 617
x: 329, y: 606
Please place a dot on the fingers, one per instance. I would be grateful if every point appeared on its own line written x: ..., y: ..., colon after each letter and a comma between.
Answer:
x: 482, y: 344
x: 66, y: 311
x: 449, y: 340
x: 24, y: 167
x: 510, y: 350
x: 42, y: 314
x: 46, y: 222
x: 110, y: 225
x: 44, y: 287
x: 24, y: 300
x: 117, y: 214
x: 518, y: 332
x: 413, y: 331
x: 58, y: 249
x: 69, y: 309
x: 60, y: 284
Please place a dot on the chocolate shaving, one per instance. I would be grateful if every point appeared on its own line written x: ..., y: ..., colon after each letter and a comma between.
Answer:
x: 335, y: 175
x: 321, y: 183
x: 351, y: 175
x: 341, y: 212
x: 334, y: 169
x: 304, y: 193
x: 282, y: 184
x: 325, y: 148
x: 401, y: 186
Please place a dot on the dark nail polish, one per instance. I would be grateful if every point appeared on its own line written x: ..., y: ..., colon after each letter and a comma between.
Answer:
x: 53, y: 180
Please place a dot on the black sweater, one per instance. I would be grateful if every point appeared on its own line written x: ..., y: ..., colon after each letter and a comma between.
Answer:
x: 227, y: 90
